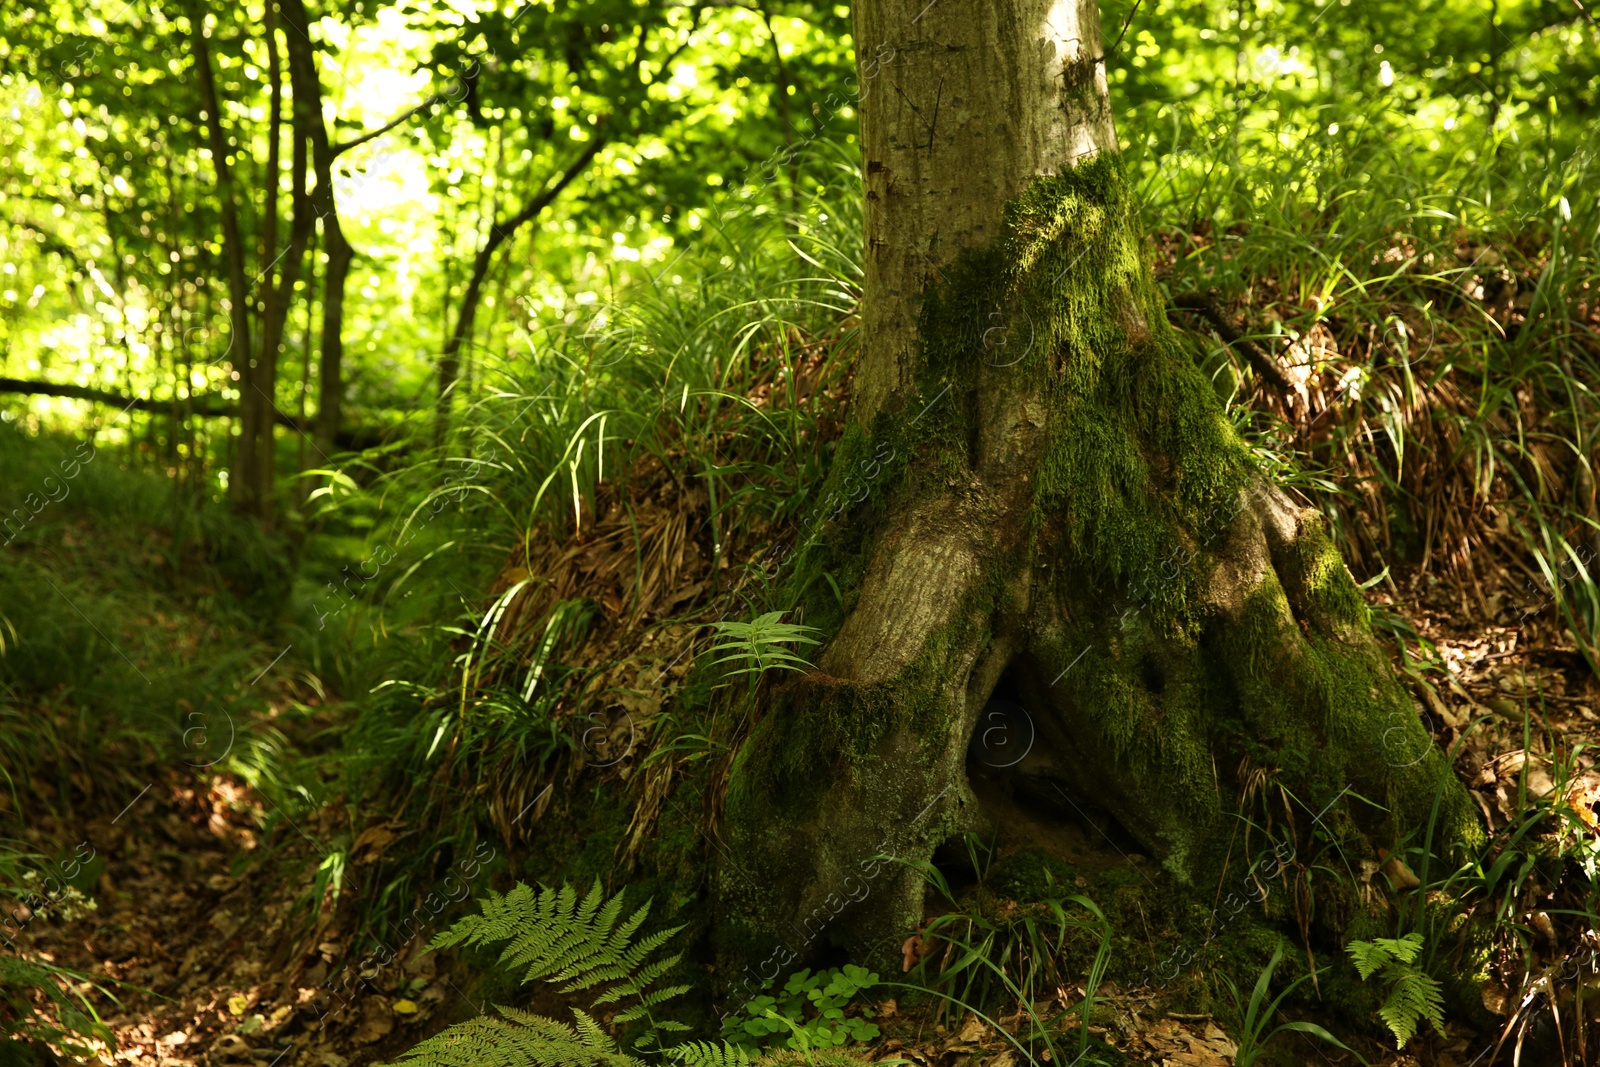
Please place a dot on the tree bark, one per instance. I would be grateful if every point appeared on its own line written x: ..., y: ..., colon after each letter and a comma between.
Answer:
x: 307, y: 87
x: 244, y: 479
x: 1051, y: 510
x: 264, y: 386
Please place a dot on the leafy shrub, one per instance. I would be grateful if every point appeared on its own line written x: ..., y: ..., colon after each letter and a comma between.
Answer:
x: 826, y: 995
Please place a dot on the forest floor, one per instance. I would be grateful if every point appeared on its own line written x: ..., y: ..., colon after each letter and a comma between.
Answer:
x: 206, y: 923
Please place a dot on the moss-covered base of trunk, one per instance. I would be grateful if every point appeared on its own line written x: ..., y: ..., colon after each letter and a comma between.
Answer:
x: 1061, y: 509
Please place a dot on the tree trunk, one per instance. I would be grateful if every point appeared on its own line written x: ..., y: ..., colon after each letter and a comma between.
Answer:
x: 264, y: 386
x: 330, y: 391
x: 278, y: 296
x: 307, y: 86
x: 1052, y: 512
x: 243, y: 478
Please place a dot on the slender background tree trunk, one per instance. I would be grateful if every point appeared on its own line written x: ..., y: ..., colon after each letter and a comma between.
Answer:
x: 499, y: 233
x: 308, y: 95
x: 243, y: 478
x: 264, y: 385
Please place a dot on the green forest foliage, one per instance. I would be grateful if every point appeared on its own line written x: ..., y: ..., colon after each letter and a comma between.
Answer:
x: 115, y: 243
x: 642, y: 221
x: 115, y: 258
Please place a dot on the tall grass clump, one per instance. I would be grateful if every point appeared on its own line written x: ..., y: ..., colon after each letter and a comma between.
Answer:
x: 597, y: 502
x: 1411, y: 336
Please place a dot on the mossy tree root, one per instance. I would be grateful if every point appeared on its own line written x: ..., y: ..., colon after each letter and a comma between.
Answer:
x: 1067, y: 508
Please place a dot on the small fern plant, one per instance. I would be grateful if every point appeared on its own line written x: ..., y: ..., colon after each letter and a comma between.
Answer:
x: 756, y: 647
x: 551, y: 935
x: 582, y: 945
x: 1413, y: 996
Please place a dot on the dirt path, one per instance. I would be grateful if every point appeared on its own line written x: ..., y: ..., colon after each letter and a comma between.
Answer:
x: 209, y: 930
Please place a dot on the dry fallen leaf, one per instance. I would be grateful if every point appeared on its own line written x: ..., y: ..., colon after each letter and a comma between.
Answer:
x: 972, y: 1030
x: 374, y: 841
x: 1494, y: 997
x: 230, y: 1047
x: 1177, y: 1044
x: 376, y: 1021
x: 1400, y: 876
x: 911, y: 951
x: 1583, y: 797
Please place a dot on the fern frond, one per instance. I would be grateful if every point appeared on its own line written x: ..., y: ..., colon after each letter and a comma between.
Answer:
x: 1414, y: 997
x: 1369, y: 958
x: 591, y: 902
x: 1402, y: 950
x: 641, y: 1010
x: 519, y: 1039
x: 630, y: 964
x: 638, y: 980
x: 816, y: 1057
x: 592, y: 1032
x: 580, y: 944
x: 502, y: 916
x: 708, y: 1054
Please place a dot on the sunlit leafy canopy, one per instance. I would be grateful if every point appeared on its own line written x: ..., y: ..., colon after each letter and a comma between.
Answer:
x: 112, y: 252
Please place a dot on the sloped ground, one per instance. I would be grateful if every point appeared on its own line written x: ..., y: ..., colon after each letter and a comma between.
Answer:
x: 216, y: 921
x: 210, y: 925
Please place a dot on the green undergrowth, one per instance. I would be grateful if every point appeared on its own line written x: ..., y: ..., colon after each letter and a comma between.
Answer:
x: 1437, y: 304
x: 621, y: 978
x: 132, y: 620
x: 1192, y: 944
x: 705, y: 390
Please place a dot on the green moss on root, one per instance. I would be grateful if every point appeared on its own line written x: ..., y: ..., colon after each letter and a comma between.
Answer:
x: 1139, y: 479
